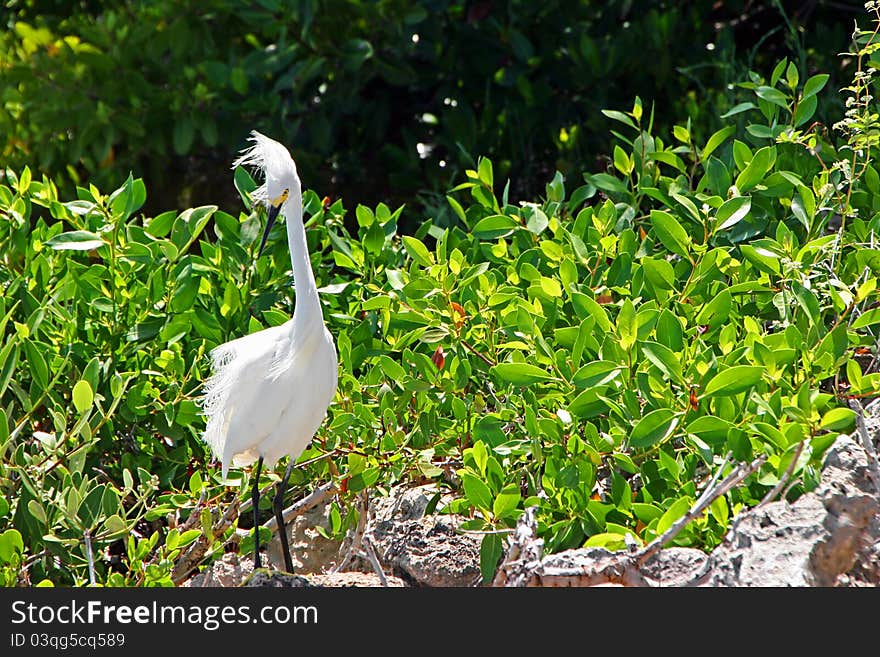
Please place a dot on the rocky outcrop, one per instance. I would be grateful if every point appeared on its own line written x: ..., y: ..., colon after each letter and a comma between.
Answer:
x: 828, y: 537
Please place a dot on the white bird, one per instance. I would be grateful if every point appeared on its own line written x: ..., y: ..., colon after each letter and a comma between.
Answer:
x: 270, y: 390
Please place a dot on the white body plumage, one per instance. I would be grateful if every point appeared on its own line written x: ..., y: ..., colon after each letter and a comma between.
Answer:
x: 270, y: 390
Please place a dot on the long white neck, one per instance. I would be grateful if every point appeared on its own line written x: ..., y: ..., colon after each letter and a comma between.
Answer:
x: 308, y: 307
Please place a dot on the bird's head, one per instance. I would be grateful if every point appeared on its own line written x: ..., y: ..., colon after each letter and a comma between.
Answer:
x: 280, y: 179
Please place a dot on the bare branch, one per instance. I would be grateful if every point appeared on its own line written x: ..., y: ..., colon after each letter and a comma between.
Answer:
x: 867, y: 443
x: 739, y: 473
x: 373, y: 559
x: 316, y: 497
x: 87, y: 537
x: 199, y: 547
x: 355, y: 545
x: 524, y: 552
x: 769, y: 497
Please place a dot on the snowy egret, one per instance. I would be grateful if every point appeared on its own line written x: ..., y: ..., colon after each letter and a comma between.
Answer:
x: 270, y: 390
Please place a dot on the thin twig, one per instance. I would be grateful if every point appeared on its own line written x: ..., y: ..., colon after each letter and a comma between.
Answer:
x: 312, y: 500
x: 199, y: 547
x: 34, y: 558
x: 194, y: 517
x: 373, y: 559
x: 739, y: 473
x: 87, y: 537
x: 716, y: 476
x: 355, y: 545
x: 867, y: 443
x: 769, y: 497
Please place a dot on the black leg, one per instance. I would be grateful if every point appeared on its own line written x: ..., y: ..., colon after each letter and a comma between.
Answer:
x: 255, y: 500
x: 279, y: 517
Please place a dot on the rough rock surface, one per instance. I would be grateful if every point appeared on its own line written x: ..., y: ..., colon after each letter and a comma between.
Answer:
x: 311, y: 552
x: 816, y: 541
x: 423, y: 550
x: 230, y: 571
x: 275, y: 579
x: 227, y: 571
x: 829, y: 537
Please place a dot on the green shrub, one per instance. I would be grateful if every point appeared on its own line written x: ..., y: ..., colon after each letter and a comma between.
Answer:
x: 373, y: 96
x: 597, y: 353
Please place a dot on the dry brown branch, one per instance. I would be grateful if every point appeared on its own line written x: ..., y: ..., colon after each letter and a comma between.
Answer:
x: 316, y: 497
x: 197, y: 549
x: 354, y: 546
x: 524, y: 552
x: 769, y: 497
x: 740, y: 472
x: 867, y: 442
x: 373, y: 559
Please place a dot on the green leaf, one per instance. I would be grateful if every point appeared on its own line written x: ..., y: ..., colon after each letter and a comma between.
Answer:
x: 596, y: 374
x: 364, y: 216
x: 182, y: 136
x: 772, y: 95
x: 738, y: 109
x: 733, y: 380
x: 659, y: 273
x: 619, y: 116
x: 710, y: 428
x: 506, y: 501
x: 82, y: 396
x: 521, y: 374
x: 732, y: 212
x: 189, y: 225
x: 456, y: 207
x: 805, y: 110
x: 653, y: 428
x: 838, y: 419
x: 588, y: 404
x: 717, y: 139
x: 160, y: 225
x: 815, y: 84
x: 75, y: 240
x: 761, y: 258
x: 24, y: 181
x: 671, y: 233
x: 607, y: 183
x: 476, y: 492
x: 374, y: 239
x: 490, y: 553
x: 673, y: 513
x: 716, y: 312
x: 39, y: 369
x: 665, y: 359
x: 867, y: 318
x: 484, y: 170
x: 494, y: 226
x: 11, y: 544
x: 627, y: 329
x: 417, y: 251
x: 754, y: 173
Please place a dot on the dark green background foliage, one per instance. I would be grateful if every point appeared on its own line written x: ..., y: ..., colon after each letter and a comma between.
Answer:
x: 170, y: 89
x: 597, y: 351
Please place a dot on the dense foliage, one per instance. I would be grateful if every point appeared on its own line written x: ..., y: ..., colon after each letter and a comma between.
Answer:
x: 381, y: 100
x: 598, y: 352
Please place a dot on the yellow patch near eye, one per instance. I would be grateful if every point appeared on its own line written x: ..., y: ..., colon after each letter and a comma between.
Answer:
x: 278, y: 201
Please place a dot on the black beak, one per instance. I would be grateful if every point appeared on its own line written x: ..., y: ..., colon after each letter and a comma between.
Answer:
x: 270, y: 221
